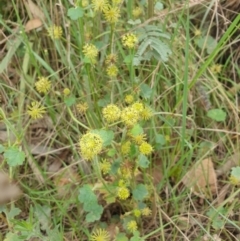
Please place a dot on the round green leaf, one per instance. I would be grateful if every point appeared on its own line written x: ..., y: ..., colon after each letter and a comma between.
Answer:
x: 217, y: 115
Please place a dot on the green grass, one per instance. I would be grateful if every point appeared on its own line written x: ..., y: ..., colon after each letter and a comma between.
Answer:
x: 58, y: 184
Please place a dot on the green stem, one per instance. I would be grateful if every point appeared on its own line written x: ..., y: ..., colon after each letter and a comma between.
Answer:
x: 150, y: 8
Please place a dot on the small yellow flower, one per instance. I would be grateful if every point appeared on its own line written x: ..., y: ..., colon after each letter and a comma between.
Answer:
x: 90, y: 145
x: 111, y: 59
x: 130, y: 116
x: 100, y: 5
x: 105, y: 166
x: 137, y: 12
x: 112, y: 14
x: 100, y: 235
x: 55, y: 32
x: 138, y: 106
x: 197, y: 32
x: 216, y: 68
x: 137, y: 213
x: 123, y: 193
x: 145, y: 148
x: 126, y: 147
x: 82, y: 108
x: 111, y: 113
x: 85, y: 3
x: 43, y: 85
x: 116, y: 2
x: 129, y: 99
x: 234, y: 180
x: 122, y: 183
x: 146, y: 113
x: 139, y: 139
x: 146, y: 211
x: 90, y: 51
x: 129, y: 40
x: 112, y: 70
x: 66, y: 91
x: 132, y: 226
x: 36, y: 111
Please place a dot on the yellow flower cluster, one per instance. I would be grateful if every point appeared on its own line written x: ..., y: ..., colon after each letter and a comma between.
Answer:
x: 43, y: 85
x: 146, y: 211
x: 112, y: 14
x: 132, y: 226
x: 112, y: 70
x: 111, y: 59
x: 126, y: 147
x: 138, y: 139
x: 100, y: 5
x: 55, y: 32
x: 137, y: 12
x: 123, y: 193
x: 137, y: 213
x: 105, y: 166
x: 234, y: 180
x: 129, y: 99
x: 216, y: 68
x: 111, y: 113
x: 145, y: 148
x: 130, y: 116
x: 35, y: 110
x: 100, y: 235
x: 129, y: 40
x: 66, y: 92
x: 91, y: 52
x: 90, y: 145
x: 82, y: 108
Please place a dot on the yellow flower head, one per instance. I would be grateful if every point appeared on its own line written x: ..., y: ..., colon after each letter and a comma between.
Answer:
x: 126, y: 147
x: 234, y: 180
x: 90, y: 51
x: 111, y: 59
x: 100, y: 5
x: 84, y: 3
x: 112, y: 14
x: 36, y: 111
x: 82, y: 108
x: 146, y: 113
x: 129, y: 40
x: 55, y: 32
x: 130, y: 116
x: 146, y: 211
x: 111, y: 113
x: 145, y: 148
x: 112, y: 70
x: 116, y: 2
x: 137, y: 12
x: 137, y: 213
x: 197, y: 32
x: 216, y: 68
x: 90, y: 145
x: 100, y: 235
x: 43, y: 85
x: 123, y: 193
x: 66, y: 92
x: 139, y: 139
x: 129, y: 99
x: 132, y: 226
x: 105, y: 166
x: 138, y: 106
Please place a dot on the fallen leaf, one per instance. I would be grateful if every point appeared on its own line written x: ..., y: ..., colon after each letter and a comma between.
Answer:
x: 9, y: 191
x: 33, y: 24
x: 202, y: 179
x: 34, y: 9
